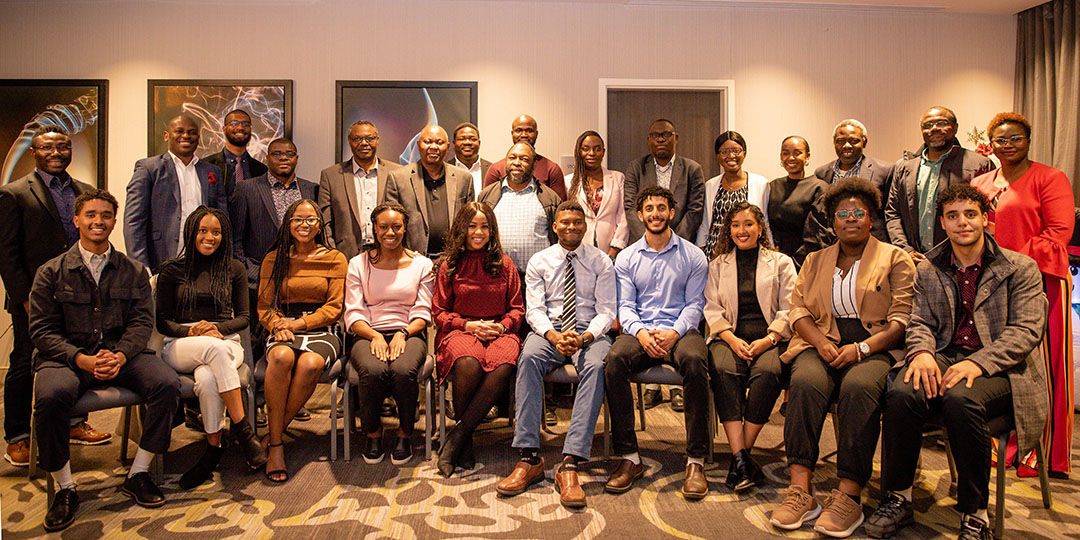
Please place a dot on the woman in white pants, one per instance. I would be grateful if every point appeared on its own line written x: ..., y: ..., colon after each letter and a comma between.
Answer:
x: 202, y: 302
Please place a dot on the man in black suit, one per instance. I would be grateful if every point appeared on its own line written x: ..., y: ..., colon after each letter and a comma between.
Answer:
x: 850, y: 141
x: 235, y: 162
x: 680, y: 175
x: 39, y: 224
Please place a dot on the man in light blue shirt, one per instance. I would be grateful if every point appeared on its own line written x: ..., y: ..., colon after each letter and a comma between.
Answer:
x: 661, y: 285
x: 570, y: 299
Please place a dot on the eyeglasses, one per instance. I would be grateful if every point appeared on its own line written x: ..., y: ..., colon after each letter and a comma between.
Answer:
x: 280, y: 155
x: 731, y: 152
x: 368, y: 139
x: 48, y: 149
x: 309, y: 221
x: 1014, y: 140
x: 665, y: 135
x: 238, y: 123
x: 844, y: 214
x: 927, y: 126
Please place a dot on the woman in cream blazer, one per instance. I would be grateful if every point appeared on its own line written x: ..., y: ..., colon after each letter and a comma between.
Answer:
x: 600, y: 193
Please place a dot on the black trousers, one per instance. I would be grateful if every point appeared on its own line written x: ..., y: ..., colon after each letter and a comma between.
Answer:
x: 626, y: 358
x: 19, y: 382
x: 964, y: 412
x: 746, y: 390
x: 57, y: 388
x: 857, y: 390
x: 397, y: 377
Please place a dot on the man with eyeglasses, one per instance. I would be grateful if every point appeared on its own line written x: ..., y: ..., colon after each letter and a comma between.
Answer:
x: 467, y: 153
x: 39, y: 224
x: 165, y: 190
x: 545, y: 171
x: 919, y: 178
x: 850, y: 140
x: 350, y: 190
x: 678, y: 174
x: 234, y: 160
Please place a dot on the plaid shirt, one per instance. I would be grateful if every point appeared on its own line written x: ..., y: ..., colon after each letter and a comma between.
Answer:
x: 523, y: 224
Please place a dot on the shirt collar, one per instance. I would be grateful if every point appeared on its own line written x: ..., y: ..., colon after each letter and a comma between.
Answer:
x: 358, y: 169
x: 176, y: 160
x: 274, y: 181
x: 665, y: 168
x: 528, y: 189
x: 64, y: 179
x: 672, y: 243
x: 230, y: 157
x: 475, y: 166
x: 927, y: 160
x: 87, y: 255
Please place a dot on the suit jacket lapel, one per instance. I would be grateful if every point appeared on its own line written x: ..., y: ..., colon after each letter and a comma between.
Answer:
x: 418, y: 189
x: 204, y: 182
x: 648, y: 172
x: 170, y: 175
x: 380, y: 188
x: 454, y: 186
x: 825, y: 285
x: 348, y: 179
x: 867, y: 271
x: 41, y: 191
x: 678, y: 174
x: 263, y: 187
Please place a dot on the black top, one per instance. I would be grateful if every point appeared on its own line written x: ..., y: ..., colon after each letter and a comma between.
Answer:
x: 790, y: 202
x: 751, y: 324
x: 438, y: 212
x: 172, y: 322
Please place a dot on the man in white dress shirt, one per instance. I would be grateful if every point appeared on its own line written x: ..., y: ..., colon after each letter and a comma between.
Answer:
x: 466, y: 138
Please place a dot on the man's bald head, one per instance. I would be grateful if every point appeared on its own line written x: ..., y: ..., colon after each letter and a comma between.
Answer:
x: 524, y: 129
x: 433, y: 144
x: 182, y: 136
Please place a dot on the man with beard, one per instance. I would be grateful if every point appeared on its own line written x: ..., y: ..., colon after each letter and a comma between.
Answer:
x: 350, y: 190
x: 234, y: 161
x: 166, y: 189
x: 546, y: 171
x: 570, y: 303
x: 467, y: 153
x: 661, y: 288
x: 431, y: 191
x: 972, y: 356
x: 918, y: 179
x: 39, y: 225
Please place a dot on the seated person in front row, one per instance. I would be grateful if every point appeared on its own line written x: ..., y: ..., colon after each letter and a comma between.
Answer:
x: 967, y: 364
x: 849, y: 308
x: 661, y: 284
x: 748, y: 325
x: 388, y: 307
x: 202, y: 304
x: 91, y: 315
x: 570, y: 294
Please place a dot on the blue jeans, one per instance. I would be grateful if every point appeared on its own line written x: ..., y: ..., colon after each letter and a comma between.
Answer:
x: 538, y: 358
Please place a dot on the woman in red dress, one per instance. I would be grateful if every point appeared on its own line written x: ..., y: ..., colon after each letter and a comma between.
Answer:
x: 478, y: 309
x: 1032, y: 212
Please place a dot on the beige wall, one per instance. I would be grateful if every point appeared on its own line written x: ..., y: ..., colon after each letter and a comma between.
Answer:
x: 796, y: 70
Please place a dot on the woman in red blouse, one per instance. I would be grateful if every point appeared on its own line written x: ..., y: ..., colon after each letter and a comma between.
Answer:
x: 1031, y: 211
x: 478, y: 308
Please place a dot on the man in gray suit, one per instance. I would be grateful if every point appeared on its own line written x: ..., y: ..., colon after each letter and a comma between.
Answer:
x: 850, y: 140
x: 919, y: 178
x: 681, y: 175
x: 350, y: 190
x: 431, y: 191
x: 166, y: 189
x: 467, y: 154
x: 979, y: 315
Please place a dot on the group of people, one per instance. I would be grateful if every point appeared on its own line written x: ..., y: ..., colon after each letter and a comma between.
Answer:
x: 870, y: 286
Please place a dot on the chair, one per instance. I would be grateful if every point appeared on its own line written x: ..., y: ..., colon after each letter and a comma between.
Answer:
x: 424, y: 377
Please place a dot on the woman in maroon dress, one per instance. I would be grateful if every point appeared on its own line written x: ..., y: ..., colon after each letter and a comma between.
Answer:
x: 478, y: 308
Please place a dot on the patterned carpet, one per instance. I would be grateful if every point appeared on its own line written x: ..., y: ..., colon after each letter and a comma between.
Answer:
x: 329, y: 500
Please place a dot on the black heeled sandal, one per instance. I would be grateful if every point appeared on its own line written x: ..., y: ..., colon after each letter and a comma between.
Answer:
x: 270, y: 474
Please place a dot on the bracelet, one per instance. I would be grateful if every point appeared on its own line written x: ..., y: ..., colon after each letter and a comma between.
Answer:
x: 405, y: 332
x: 772, y: 339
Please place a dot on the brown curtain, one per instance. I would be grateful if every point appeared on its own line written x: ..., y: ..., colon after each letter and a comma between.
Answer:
x: 1048, y: 83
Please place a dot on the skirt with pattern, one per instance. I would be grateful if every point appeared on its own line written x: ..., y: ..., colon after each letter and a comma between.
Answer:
x: 325, y: 344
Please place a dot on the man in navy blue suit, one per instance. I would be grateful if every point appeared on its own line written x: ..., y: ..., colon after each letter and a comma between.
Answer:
x: 164, y: 190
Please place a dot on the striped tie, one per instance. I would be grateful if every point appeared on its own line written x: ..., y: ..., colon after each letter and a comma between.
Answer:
x: 569, y: 309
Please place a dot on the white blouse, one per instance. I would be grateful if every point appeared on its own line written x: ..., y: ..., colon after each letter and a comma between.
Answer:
x: 843, y: 293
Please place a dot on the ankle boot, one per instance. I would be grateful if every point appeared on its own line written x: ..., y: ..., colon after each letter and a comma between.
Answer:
x: 203, y: 469
x: 254, y: 454
x: 466, y: 458
x: 450, y: 450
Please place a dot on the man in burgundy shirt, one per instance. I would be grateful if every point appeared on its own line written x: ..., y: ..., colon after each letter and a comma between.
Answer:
x: 545, y: 171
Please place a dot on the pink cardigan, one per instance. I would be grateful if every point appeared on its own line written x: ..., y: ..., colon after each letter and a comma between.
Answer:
x: 388, y: 299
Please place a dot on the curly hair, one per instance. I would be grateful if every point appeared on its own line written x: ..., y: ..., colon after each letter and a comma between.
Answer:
x: 191, y: 260
x: 653, y: 191
x: 1009, y: 118
x: 457, y: 241
x: 375, y: 250
x: 726, y: 244
x: 857, y: 187
x: 962, y: 192
x: 282, y: 247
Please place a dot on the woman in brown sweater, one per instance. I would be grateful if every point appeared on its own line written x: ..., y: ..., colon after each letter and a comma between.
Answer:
x: 301, y: 293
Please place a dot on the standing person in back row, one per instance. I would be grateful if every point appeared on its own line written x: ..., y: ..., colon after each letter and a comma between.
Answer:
x: 547, y: 172
x: 680, y: 175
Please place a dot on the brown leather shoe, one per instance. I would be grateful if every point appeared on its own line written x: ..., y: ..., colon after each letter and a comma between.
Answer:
x: 695, y: 487
x: 569, y: 487
x: 18, y: 453
x: 86, y: 435
x: 523, y: 476
x: 623, y: 478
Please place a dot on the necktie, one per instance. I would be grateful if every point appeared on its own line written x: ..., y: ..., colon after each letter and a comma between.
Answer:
x: 238, y: 175
x: 569, y: 309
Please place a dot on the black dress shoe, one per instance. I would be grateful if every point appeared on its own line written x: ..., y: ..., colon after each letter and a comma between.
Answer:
x: 402, y: 452
x: 373, y: 450
x: 652, y: 398
x: 676, y: 400
x: 62, y: 512
x: 389, y: 408
x: 142, y: 488
x: 203, y: 469
x: 750, y: 472
x: 735, y: 475
x: 303, y: 415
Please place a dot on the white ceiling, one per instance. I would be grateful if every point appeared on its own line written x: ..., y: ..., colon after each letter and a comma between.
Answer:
x: 997, y: 7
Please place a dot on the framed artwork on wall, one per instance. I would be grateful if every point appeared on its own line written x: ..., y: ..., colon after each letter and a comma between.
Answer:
x: 268, y: 102
x: 400, y: 109
x: 80, y: 106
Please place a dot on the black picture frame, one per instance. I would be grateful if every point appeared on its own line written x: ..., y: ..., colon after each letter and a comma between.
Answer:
x: 268, y: 101
x: 81, y: 106
x: 397, y: 110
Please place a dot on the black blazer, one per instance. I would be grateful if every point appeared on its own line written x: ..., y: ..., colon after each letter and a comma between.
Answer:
x: 32, y: 233
x: 878, y: 173
x: 687, y: 185
x: 255, y: 168
x: 255, y: 223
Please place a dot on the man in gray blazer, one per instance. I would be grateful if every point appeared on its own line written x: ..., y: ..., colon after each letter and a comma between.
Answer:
x: 850, y: 140
x: 979, y: 315
x: 431, y: 191
x: 466, y: 139
x: 350, y: 190
x: 164, y: 190
x: 919, y: 178
x: 682, y: 176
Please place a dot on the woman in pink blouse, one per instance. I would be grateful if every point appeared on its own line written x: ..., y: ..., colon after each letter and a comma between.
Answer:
x: 600, y: 193
x: 388, y: 306
x: 478, y: 308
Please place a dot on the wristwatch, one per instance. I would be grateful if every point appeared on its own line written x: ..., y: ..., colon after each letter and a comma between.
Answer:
x: 405, y: 332
x: 864, y: 350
